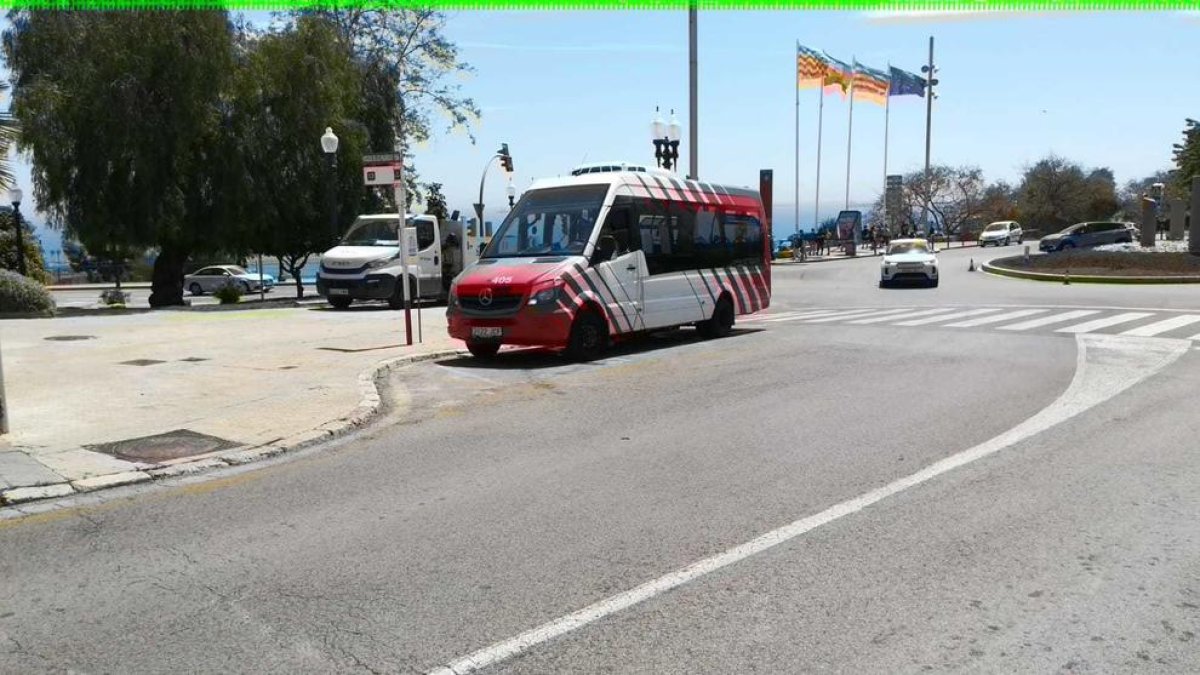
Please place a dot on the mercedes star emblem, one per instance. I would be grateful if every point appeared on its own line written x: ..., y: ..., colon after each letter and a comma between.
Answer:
x: 485, y: 297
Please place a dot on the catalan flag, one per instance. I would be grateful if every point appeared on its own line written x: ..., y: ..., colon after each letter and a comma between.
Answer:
x: 838, y: 75
x: 870, y: 84
x: 810, y: 67
x: 904, y: 83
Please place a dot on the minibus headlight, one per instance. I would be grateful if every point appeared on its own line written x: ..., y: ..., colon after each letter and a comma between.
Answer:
x: 545, y: 297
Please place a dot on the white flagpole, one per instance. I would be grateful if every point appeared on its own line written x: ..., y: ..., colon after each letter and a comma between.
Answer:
x: 850, y: 130
x: 797, y: 193
x: 887, y: 106
x: 820, y: 120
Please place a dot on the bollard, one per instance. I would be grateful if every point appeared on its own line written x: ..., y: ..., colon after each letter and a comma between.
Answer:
x: 1067, y: 278
x: 1178, y: 214
x: 1026, y: 254
x: 1193, y: 238
x: 972, y: 267
x: 1149, y: 223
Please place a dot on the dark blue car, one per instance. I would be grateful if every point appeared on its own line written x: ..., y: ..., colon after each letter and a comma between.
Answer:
x: 1087, y: 235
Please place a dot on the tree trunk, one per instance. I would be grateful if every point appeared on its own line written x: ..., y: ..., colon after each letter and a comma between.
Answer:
x: 299, y: 282
x: 167, y: 284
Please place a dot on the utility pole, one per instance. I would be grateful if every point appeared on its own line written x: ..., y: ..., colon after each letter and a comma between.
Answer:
x: 693, y: 78
x: 930, y: 81
x: 401, y: 204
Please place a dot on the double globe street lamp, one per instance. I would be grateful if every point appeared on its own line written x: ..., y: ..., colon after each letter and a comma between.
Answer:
x: 666, y: 140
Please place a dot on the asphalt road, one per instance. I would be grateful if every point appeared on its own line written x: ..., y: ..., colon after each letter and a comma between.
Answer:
x: 806, y: 495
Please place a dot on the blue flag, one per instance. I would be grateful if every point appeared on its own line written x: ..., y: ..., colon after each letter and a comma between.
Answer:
x: 905, y: 83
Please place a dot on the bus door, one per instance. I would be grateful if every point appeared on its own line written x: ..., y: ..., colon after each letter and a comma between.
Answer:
x: 621, y: 269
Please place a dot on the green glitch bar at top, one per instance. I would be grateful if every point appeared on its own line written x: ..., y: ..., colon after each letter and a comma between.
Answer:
x: 935, y: 9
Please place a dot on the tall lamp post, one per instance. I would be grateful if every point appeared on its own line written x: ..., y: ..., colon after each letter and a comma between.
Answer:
x: 329, y: 144
x: 665, y: 137
x: 14, y: 196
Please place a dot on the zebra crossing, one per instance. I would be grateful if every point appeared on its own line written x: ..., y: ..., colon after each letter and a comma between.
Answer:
x: 1050, y: 320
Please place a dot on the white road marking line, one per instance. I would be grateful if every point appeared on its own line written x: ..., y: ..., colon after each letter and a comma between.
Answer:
x: 1152, y: 329
x: 1120, y: 364
x: 1105, y: 322
x: 813, y: 315
x: 943, y: 317
x: 1000, y: 318
x: 910, y: 315
x: 1047, y: 320
x: 874, y: 312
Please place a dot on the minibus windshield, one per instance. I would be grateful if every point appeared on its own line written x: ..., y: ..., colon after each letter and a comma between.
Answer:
x: 551, y: 221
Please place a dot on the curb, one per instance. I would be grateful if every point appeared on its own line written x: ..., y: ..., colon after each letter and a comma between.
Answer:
x: 991, y: 268
x: 369, y: 407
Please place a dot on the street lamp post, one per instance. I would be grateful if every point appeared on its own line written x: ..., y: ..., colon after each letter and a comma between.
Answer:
x: 14, y: 196
x: 665, y: 137
x: 506, y: 162
x: 329, y: 144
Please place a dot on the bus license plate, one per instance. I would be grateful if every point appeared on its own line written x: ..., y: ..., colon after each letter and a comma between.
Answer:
x: 487, y: 332
x: 339, y: 291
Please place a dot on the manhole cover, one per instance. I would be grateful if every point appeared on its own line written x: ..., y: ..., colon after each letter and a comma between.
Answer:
x: 141, y: 362
x: 162, y: 447
x: 198, y: 359
x: 70, y: 338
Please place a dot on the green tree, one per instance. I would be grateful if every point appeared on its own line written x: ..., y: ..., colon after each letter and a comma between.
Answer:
x: 290, y: 85
x: 411, y: 73
x: 122, y: 114
x: 34, y: 264
x: 1187, y: 158
x: 954, y: 195
x: 435, y: 202
x: 1056, y: 192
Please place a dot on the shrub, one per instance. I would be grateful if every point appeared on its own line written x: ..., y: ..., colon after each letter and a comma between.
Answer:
x: 112, y: 297
x: 229, y: 293
x: 20, y: 295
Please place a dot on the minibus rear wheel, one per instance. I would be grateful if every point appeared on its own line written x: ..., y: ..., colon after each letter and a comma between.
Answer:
x: 721, y: 323
x: 589, y: 337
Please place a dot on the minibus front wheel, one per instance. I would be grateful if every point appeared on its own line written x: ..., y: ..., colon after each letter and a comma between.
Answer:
x: 589, y: 337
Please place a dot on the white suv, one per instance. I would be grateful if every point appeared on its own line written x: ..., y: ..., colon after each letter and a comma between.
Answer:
x: 1001, y: 233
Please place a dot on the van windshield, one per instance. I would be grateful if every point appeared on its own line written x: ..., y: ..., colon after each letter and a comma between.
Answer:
x: 374, y: 232
x: 551, y: 221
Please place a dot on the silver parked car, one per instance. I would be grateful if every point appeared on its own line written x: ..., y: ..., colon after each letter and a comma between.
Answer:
x: 209, y: 279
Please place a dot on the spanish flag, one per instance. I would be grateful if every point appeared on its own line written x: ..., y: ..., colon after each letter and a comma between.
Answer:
x: 810, y: 68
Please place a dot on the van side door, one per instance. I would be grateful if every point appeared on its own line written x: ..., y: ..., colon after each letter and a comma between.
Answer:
x: 618, y: 267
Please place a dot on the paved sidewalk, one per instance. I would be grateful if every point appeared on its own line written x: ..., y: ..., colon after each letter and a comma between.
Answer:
x: 262, y: 380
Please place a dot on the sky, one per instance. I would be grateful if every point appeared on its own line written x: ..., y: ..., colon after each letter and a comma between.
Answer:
x: 562, y: 88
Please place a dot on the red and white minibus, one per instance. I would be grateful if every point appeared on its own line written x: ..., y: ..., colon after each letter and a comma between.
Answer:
x: 610, y: 252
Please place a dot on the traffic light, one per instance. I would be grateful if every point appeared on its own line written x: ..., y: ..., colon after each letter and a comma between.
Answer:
x: 505, y: 158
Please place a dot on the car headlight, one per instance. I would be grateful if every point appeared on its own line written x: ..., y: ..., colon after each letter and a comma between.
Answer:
x: 382, y: 262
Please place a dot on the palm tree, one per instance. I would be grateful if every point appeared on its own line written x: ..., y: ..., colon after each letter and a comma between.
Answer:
x: 8, y: 139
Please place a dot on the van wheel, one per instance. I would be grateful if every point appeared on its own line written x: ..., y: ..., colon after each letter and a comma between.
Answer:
x: 589, y: 337
x: 721, y: 323
x: 340, y: 302
x: 483, y: 350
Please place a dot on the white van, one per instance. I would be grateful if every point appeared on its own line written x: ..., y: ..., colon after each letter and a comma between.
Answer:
x: 366, y: 264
